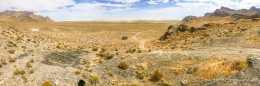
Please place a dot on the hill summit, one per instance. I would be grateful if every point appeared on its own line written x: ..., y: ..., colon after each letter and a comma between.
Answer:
x: 23, y: 16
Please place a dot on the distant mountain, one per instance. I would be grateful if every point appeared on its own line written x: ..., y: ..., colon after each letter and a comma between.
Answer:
x: 23, y: 16
x: 223, y: 15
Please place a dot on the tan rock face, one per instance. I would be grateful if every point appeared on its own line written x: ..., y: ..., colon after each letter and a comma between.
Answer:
x: 23, y: 16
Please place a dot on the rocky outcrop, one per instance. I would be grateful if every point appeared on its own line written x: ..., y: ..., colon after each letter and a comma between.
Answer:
x: 23, y: 16
x: 189, y: 18
x: 225, y: 14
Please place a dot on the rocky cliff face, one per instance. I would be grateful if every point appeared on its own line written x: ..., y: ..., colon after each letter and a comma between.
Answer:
x: 23, y: 16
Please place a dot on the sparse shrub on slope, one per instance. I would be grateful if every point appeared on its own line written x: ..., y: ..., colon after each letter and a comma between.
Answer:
x: 94, y: 78
x: 123, y: 65
x: 47, y: 83
x: 156, y: 76
x: 220, y: 68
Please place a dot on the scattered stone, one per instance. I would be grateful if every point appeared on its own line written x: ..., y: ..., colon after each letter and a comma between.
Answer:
x: 184, y: 82
x: 124, y: 38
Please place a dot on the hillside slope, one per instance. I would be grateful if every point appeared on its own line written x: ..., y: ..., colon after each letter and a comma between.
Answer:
x: 23, y: 16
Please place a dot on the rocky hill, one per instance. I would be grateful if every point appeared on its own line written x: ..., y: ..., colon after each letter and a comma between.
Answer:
x: 223, y: 15
x: 23, y: 16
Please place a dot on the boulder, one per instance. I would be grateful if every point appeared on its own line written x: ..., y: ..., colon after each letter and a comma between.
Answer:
x: 182, y: 27
x: 124, y: 38
x: 81, y: 83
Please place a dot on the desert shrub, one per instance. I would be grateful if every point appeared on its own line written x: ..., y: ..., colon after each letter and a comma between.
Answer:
x: 95, y: 49
x: 12, y: 59
x: 139, y: 51
x: 84, y: 75
x: 16, y: 72
x: 10, y: 42
x: 156, y: 76
x: 77, y: 72
x: 31, y: 71
x: 32, y: 60
x: 107, y: 55
x: 130, y: 50
x: 94, y: 79
x: 1, y: 65
x: 103, y: 49
x: 58, y: 46
x: 47, y: 83
x: 11, y: 51
x: 24, y: 47
x: 28, y: 64
x: 123, y: 65
x: 111, y: 74
x: 22, y: 71
x: 140, y: 74
x: 24, y: 79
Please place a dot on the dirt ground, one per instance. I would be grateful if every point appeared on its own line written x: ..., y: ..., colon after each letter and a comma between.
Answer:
x: 63, y: 53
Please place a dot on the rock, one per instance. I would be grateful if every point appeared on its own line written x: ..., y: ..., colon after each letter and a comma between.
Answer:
x: 189, y: 18
x: 184, y: 82
x: 170, y: 28
x: 124, y: 38
x: 81, y: 83
x: 182, y: 27
x: 192, y: 29
x: 190, y: 70
x: 169, y: 31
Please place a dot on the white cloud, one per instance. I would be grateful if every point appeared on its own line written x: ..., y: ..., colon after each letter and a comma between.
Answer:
x: 125, y: 1
x: 34, y: 5
x: 152, y: 2
x: 157, y: 1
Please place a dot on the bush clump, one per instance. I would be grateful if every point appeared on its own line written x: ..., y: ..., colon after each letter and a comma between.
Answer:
x: 47, y: 83
x: 94, y: 78
x: 156, y: 76
x: 11, y: 51
x: 123, y: 65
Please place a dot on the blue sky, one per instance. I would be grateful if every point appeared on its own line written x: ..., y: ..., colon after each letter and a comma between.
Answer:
x: 66, y: 10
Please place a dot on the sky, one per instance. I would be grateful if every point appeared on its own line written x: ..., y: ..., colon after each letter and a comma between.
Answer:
x: 73, y: 10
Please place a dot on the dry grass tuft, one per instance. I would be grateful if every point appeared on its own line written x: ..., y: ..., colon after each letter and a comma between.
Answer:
x: 95, y: 49
x: 22, y: 71
x: 220, y: 67
x: 24, y: 79
x: 12, y: 59
x: 178, y: 69
x: 28, y: 65
x: 11, y: 51
x: 47, y: 83
x: 94, y: 79
x: 77, y: 72
x: 31, y: 71
x: 16, y: 72
x: 156, y: 76
x: 111, y: 74
x: 84, y: 75
x: 32, y: 60
x: 123, y: 65
x: 141, y: 74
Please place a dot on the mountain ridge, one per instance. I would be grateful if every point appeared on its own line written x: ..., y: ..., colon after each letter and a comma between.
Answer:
x: 23, y: 16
